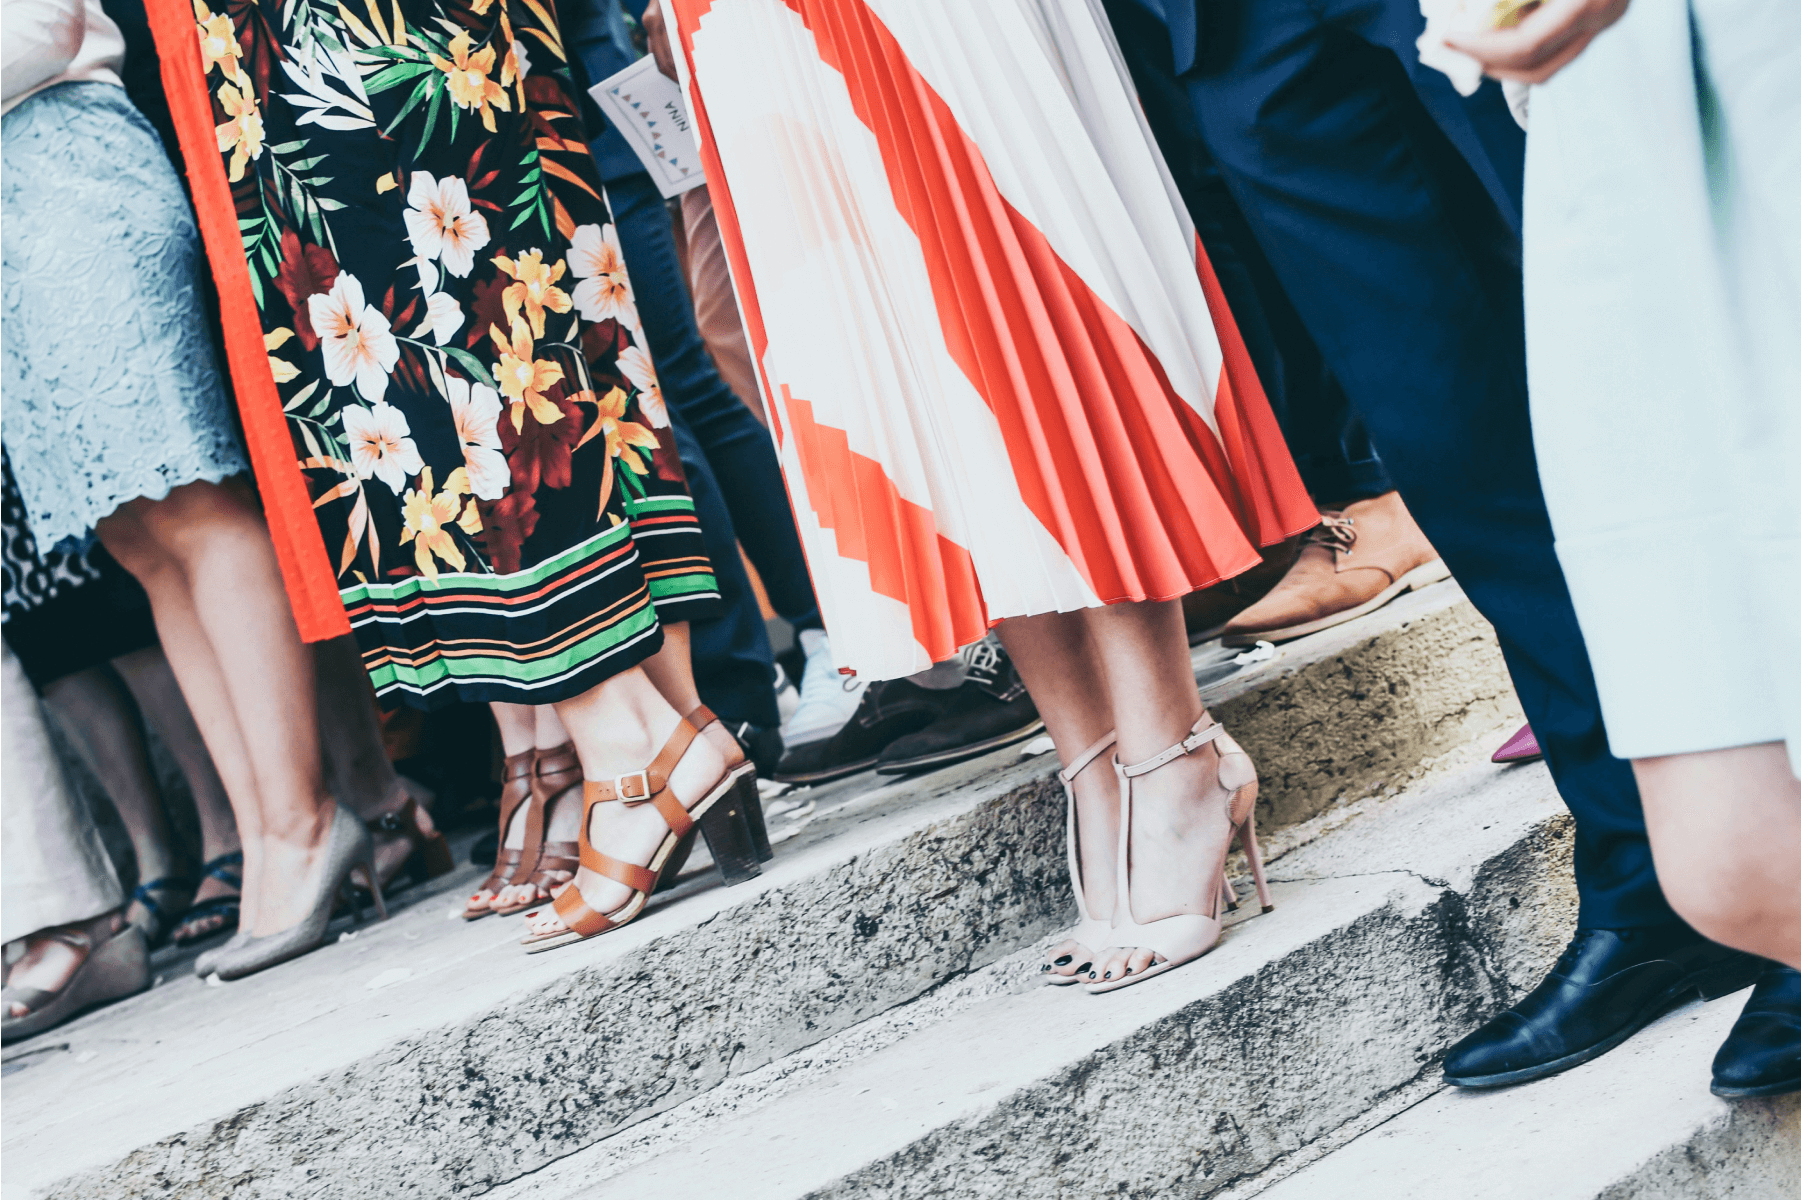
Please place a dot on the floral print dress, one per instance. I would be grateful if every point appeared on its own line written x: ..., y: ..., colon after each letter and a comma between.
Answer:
x: 451, y: 328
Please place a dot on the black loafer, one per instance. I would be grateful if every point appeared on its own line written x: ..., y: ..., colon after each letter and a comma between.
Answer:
x: 1609, y: 984
x: 890, y: 709
x: 1762, y: 1054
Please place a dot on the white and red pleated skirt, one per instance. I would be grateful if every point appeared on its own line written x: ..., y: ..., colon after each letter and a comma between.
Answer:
x: 1000, y: 372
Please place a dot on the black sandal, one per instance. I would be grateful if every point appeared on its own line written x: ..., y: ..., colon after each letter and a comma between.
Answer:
x: 225, y: 907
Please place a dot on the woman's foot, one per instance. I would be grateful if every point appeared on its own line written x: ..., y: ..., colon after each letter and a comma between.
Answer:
x: 52, y: 956
x: 633, y: 833
x: 1097, y: 847
x: 1181, y: 828
x: 217, y: 902
x: 406, y: 839
x: 557, y: 789
x: 157, y: 906
x: 292, y: 861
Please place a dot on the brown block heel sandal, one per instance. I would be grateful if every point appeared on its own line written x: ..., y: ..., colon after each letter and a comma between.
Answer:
x: 719, y: 816
x: 702, y: 718
x: 556, y: 773
x: 515, y: 789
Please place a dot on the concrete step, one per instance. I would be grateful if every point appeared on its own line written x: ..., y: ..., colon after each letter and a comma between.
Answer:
x: 1391, y: 938
x: 428, y: 1057
x: 1635, y: 1124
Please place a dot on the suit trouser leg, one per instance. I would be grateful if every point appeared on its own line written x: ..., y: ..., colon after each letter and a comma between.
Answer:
x: 1331, y: 449
x: 1403, y: 265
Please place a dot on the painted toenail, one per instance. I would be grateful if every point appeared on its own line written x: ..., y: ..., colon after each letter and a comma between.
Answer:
x: 1064, y: 961
x: 1087, y: 966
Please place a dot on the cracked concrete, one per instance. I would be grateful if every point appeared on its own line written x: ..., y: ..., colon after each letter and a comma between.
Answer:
x: 1300, y: 1022
x: 483, y: 1064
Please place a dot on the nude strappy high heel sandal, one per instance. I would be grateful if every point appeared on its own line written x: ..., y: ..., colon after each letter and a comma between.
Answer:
x: 1089, y: 933
x: 1187, y: 936
x: 510, y: 865
x: 719, y: 816
x: 555, y: 774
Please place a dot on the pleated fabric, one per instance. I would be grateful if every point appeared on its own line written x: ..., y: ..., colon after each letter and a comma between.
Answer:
x: 1002, y: 377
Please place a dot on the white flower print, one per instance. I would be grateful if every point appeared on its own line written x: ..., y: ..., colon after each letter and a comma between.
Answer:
x: 636, y: 366
x: 380, y: 445
x: 476, y: 411
x: 605, y: 291
x: 441, y: 224
x: 358, y: 344
x: 443, y: 316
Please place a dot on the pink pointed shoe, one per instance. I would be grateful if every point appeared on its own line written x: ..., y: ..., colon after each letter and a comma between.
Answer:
x: 1089, y: 932
x: 1521, y: 747
x: 1185, y: 937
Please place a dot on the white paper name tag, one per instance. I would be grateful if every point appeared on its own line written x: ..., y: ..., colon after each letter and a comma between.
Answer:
x: 647, y: 108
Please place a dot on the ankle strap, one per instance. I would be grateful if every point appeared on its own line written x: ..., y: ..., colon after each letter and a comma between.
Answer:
x: 702, y: 716
x: 518, y: 766
x: 642, y: 785
x: 1069, y: 773
x: 1188, y: 745
x: 558, y: 761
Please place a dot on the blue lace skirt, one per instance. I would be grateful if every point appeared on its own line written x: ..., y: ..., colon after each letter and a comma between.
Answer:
x: 112, y: 390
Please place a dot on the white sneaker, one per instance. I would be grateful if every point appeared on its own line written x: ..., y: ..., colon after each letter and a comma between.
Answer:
x: 827, y: 699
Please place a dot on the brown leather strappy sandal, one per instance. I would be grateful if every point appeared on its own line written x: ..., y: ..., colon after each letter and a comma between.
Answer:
x: 719, y: 816
x: 556, y: 773
x: 515, y: 789
x: 701, y: 718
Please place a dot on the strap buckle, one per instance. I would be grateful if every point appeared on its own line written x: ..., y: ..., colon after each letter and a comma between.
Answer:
x: 642, y: 775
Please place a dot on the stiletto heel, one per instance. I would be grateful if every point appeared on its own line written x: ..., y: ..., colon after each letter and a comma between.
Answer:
x: 1089, y: 933
x: 348, y: 848
x: 718, y: 816
x: 1186, y: 936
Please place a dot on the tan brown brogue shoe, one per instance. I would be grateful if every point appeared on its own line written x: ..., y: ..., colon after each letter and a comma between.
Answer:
x: 1354, y: 562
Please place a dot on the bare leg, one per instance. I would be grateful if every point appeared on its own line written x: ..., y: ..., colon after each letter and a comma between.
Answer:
x: 671, y: 669
x: 1180, y: 825
x: 534, y: 727
x: 357, y: 768
x: 146, y: 672
x: 1725, y: 830
x: 94, y: 708
x: 1061, y: 666
x: 618, y: 727
x: 235, y: 650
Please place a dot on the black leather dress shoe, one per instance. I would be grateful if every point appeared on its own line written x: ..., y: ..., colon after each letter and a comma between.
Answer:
x: 1762, y: 1054
x: 890, y: 709
x: 1609, y: 984
x: 990, y: 709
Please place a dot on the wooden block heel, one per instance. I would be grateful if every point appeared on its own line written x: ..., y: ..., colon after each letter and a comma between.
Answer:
x: 727, y: 828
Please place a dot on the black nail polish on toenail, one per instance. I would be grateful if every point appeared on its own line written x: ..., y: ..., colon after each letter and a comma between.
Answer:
x: 1108, y: 975
x: 1064, y: 961
x: 1085, y: 967
x: 1043, y: 967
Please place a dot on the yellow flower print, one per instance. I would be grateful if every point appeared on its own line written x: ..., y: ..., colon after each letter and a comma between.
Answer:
x: 281, y: 368
x: 469, y: 84
x: 427, y: 520
x: 621, y: 434
x: 535, y: 290
x: 218, y: 42
x: 523, y: 378
x: 243, y: 134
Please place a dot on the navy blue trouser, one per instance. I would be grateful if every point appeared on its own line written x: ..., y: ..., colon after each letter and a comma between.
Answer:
x: 1330, y: 446
x: 733, y: 665
x: 1388, y: 207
